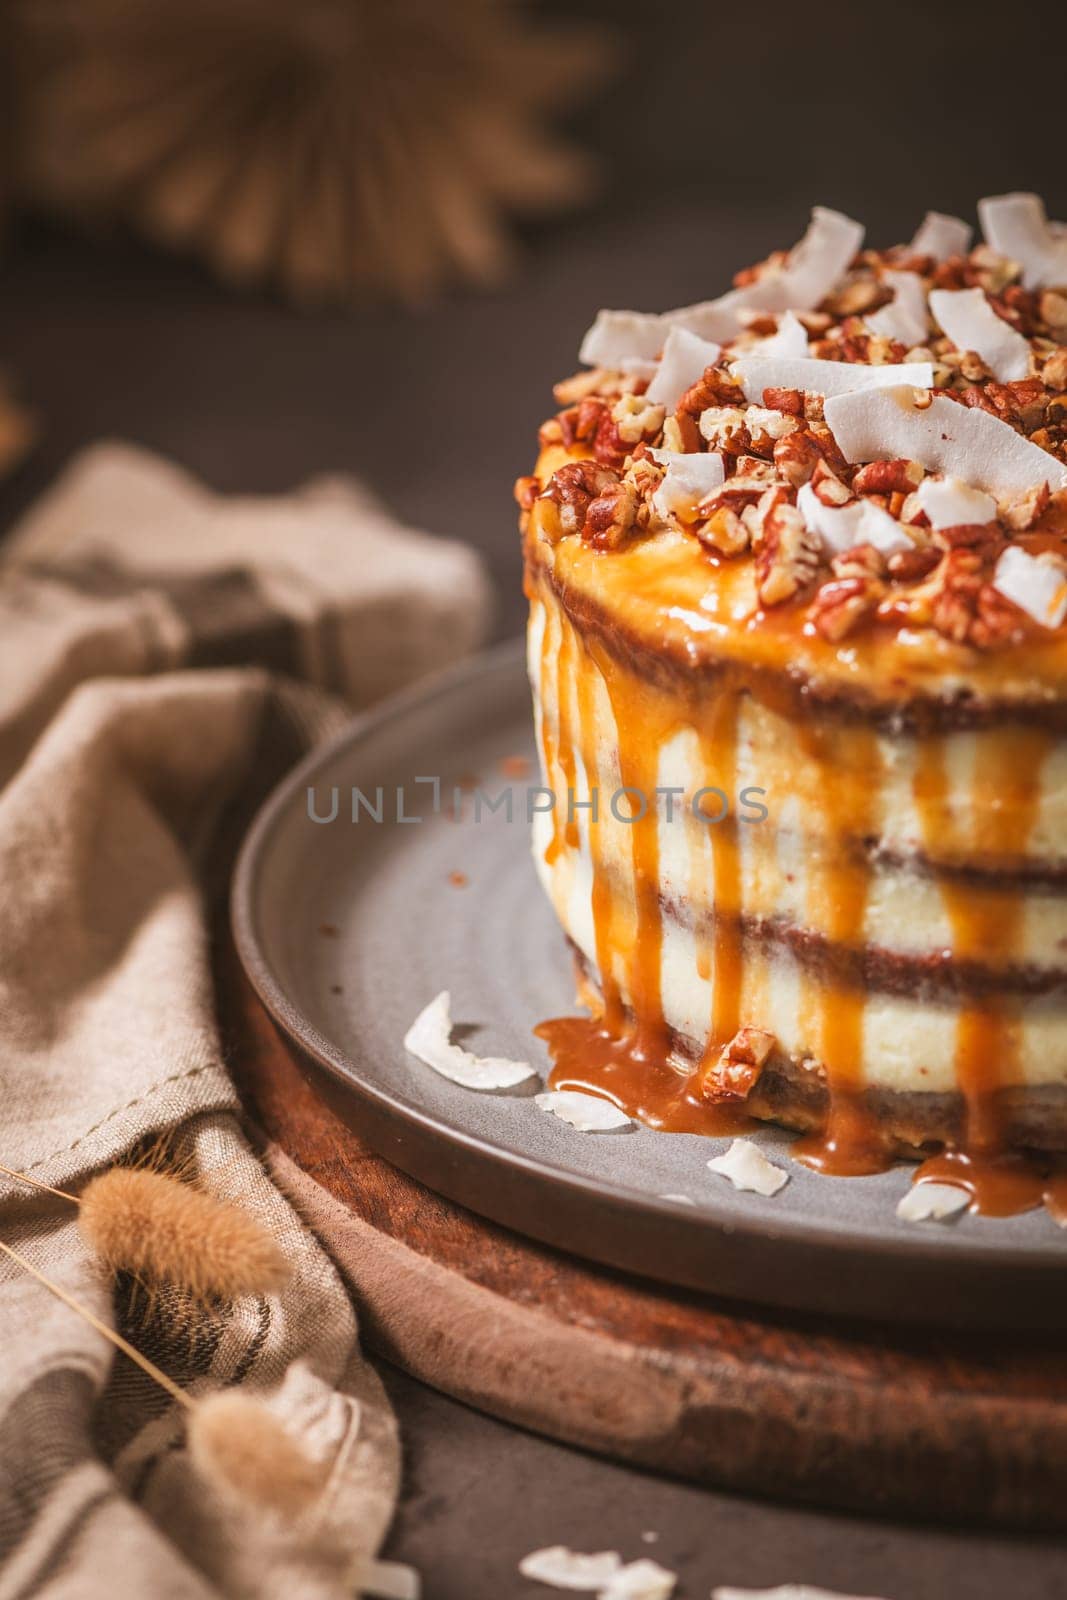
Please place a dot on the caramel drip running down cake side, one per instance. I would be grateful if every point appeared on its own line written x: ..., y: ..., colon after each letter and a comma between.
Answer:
x: 796, y: 560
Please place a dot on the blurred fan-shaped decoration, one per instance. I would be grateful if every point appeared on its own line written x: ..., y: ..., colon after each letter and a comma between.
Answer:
x: 339, y: 148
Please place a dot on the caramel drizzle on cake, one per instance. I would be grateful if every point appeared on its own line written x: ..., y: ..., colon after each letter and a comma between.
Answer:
x: 727, y: 981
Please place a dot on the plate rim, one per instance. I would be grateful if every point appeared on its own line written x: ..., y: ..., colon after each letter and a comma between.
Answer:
x: 921, y: 1254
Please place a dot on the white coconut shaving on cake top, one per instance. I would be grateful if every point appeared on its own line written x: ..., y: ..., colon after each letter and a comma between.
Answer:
x: 685, y: 355
x: 757, y: 373
x: 971, y: 323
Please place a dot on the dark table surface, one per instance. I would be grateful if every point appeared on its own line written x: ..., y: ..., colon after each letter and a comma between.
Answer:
x: 437, y: 412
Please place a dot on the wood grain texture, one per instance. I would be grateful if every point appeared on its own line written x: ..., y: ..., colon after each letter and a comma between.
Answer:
x: 934, y: 1425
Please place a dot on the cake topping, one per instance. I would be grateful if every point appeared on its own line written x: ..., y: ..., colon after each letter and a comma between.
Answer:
x: 748, y: 1168
x: 941, y: 236
x: 1017, y: 226
x: 1036, y: 584
x: 872, y: 430
x: 971, y: 323
x: 685, y: 355
x: 905, y: 317
x: 798, y: 283
x: 688, y: 480
x: 860, y: 522
x: 756, y: 374
x: 943, y: 436
x: 951, y: 503
x: 789, y: 339
x: 430, y: 1039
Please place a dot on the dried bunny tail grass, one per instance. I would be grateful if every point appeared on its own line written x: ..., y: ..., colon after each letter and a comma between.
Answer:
x: 162, y: 1230
x: 340, y: 150
x: 238, y: 1444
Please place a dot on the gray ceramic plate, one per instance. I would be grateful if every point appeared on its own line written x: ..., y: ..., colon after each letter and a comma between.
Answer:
x: 347, y: 929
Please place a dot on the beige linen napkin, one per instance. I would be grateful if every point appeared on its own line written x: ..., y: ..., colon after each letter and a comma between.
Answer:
x: 152, y: 636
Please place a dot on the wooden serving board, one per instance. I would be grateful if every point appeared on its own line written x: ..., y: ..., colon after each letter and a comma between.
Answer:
x: 934, y: 1425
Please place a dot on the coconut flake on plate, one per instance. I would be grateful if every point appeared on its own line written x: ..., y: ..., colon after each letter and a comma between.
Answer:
x: 943, y: 436
x: 843, y: 527
x: 1036, y: 584
x: 679, y: 1199
x: 1017, y: 226
x: 951, y: 503
x: 932, y: 1202
x: 567, y: 1569
x: 941, y: 236
x: 972, y: 324
x: 588, y: 1113
x: 759, y: 372
x: 685, y: 355
x: 690, y: 477
x: 748, y: 1168
x: 790, y: 338
x: 811, y: 271
x: 430, y: 1039
x: 904, y: 318
x: 640, y: 1580
x: 784, y: 1591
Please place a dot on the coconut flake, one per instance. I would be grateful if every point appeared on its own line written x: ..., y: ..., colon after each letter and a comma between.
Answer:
x: 385, y: 1580
x: 1017, y: 226
x: 566, y: 1569
x: 790, y: 338
x: 932, y: 1201
x: 972, y: 324
x: 843, y: 527
x: 756, y: 373
x: 904, y: 318
x: 951, y: 503
x: 617, y: 337
x: 1036, y: 584
x: 586, y: 1112
x: 944, y: 436
x: 640, y: 1580
x: 812, y: 269
x: 679, y: 1199
x: 689, y: 479
x: 430, y: 1039
x: 748, y: 1168
x: 784, y: 1591
x: 685, y: 355
x: 941, y: 236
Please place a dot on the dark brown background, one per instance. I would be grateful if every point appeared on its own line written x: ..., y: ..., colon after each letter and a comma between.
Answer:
x: 727, y: 122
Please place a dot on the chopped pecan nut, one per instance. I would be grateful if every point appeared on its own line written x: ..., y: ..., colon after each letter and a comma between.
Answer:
x: 612, y: 517
x: 739, y: 1067
x: 862, y: 561
x: 796, y: 458
x: 1052, y: 309
x: 636, y: 419
x: 580, y: 422
x: 828, y: 487
x: 888, y: 477
x: 723, y: 531
x: 573, y: 487
x: 526, y: 491
x: 789, y: 400
x: 715, y: 388
x: 1054, y: 371
x: 788, y: 555
x: 840, y: 605
x: 724, y: 428
x: 1020, y: 512
x: 570, y: 390
x: 908, y: 566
